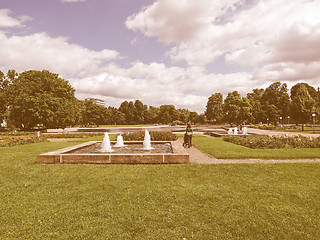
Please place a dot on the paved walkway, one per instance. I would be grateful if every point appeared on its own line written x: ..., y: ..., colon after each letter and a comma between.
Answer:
x: 198, y: 157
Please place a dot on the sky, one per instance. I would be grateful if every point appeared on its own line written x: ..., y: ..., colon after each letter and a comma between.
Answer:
x: 162, y: 51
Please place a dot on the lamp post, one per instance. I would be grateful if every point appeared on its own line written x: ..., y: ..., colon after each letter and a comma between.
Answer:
x: 267, y: 121
x: 313, y: 120
x: 280, y: 120
x: 288, y: 120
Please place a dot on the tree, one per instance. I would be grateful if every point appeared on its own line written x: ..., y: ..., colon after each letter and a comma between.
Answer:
x: 41, y: 97
x: 232, y: 107
x: 4, y: 83
x: 117, y: 117
x: 245, y: 111
x: 255, y: 99
x: 167, y: 114
x: 94, y: 114
x: 183, y: 115
x: 276, y: 94
x: 194, y: 117
x: 303, y: 105
x: 152, y: 114
x: 139, y: 112
x: 214, y: 109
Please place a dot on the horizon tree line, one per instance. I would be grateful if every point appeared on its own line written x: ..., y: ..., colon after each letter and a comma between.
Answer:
x: 34, y: 98
x: 271, y: 105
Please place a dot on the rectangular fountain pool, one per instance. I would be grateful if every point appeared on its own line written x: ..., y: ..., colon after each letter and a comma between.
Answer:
x: 163, y: 152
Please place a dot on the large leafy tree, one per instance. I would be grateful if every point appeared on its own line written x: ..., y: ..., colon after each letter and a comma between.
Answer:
x: 276, y: 97
x: 167, y: 114
x: 214, y: 109
x: 255, y: 98
x: 151, y: 115
x: 139, y: 112
x: 93, y: 113
x: 41, y: 97
x: 3, y: 84
x: 232, y: 107
x: 5, y: 81
x: 303, y: 103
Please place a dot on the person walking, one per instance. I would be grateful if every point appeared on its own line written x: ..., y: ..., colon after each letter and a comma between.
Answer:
x: 188, y: 135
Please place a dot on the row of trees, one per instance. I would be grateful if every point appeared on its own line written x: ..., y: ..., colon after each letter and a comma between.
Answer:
x: 41, y: 97
x: 35, y: 98
x: 135, y: 113
x: 270, y: 105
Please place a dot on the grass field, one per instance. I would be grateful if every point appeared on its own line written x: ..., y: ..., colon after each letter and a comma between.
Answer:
x: 218, y: 148
x: 236, y: 201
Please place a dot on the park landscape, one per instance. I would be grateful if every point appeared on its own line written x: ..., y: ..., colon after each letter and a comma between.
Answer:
x: 96, y: 98
x: 236, y: 198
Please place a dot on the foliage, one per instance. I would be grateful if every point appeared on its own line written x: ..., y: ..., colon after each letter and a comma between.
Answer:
x: 275, y: 101
x: 9, y: 141
x: 15, y: 133
x: 218, y: 148
x: 274, y: 142
x: 237, y: 110
x: 72, y: 135
x: 255, y: 99
x: 303, y: 104
x: 214, y: 108
x: 273, y: 127
x: 154, y: 135
x: 41, y: 97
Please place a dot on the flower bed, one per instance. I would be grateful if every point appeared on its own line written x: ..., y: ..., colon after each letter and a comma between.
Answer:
x: 272, y: 127
x: 267, y: 142
x: 8, y: 141
x: 73, y: 135
x: 17, y: 134
x: 154, y: 135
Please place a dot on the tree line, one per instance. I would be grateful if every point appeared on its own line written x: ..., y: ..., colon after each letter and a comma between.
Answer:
x: 35, y: 98
x: 271, y: 105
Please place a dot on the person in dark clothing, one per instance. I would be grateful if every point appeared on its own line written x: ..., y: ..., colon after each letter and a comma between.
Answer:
x: 188, y: 136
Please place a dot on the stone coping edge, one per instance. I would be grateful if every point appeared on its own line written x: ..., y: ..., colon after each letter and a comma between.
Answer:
x: 179, y: 155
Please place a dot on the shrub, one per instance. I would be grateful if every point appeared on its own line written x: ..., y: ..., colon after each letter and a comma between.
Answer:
x: 274, y: 141
x: 73, y: 135
x: 154, y: 135
x: 8, y: 141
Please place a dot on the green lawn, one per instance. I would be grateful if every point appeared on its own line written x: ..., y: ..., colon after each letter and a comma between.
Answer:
x: 236, y: 201
x: 218, y: 148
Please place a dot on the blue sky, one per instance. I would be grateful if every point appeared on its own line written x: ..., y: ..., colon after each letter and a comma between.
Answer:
x: 162, y: 51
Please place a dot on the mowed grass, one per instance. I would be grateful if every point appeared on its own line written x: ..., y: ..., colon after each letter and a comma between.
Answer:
x: 236, y: 201
x: 218, y: 148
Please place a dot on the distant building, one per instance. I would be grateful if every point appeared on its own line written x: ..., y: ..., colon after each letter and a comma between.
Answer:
x: 96, y: 101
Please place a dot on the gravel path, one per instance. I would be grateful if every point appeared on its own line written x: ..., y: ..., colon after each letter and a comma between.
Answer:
x: 196, y: 156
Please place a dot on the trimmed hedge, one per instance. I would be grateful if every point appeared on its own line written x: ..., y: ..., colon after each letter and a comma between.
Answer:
x: 73, y: 135
x: 154, y: 135
x: 274, y: 142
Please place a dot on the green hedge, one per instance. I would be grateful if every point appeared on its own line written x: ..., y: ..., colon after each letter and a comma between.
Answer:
x: 154, y: 135
x: 274, y: 142
x: 73, y: 135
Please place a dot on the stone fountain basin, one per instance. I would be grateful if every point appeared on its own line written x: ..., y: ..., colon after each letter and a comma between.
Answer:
x: 67, y: 155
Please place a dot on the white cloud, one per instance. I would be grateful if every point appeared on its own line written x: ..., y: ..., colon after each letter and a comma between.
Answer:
x: 265, y: 32
x: 7, y: 21
x: 156, y: 84
x: 40, y: 51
